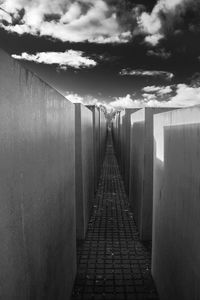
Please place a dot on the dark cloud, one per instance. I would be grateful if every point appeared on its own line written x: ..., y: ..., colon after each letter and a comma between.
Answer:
x: 168, y: 18
x: 162, y: 53
x: 195, y: 80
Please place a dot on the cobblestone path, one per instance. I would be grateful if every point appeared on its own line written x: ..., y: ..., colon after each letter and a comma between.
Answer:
x: 112, y: 262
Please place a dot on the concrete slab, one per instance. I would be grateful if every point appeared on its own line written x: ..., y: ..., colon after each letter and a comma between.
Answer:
x: 126, y: 148
x: 96, y: 142
x: 103, y: 134
x: 37, y: 187
x: 84, y: 167
x: 176, y: 205
x: 115, y: 132
x: 121, y: 141
x: 141, y: 169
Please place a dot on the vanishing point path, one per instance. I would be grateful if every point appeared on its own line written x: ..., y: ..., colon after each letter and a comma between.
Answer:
x: 112, y: 262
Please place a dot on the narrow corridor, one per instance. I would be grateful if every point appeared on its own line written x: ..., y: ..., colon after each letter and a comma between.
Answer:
x: 112, y: 262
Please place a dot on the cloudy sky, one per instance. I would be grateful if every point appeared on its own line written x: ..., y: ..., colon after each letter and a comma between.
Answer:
x: 120, y: 53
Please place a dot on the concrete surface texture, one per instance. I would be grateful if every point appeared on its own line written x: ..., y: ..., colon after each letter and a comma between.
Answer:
x: 141, y: 168
x: 37, y: 187
x: 121, y: 140
x: 96, y: 143
x: 176, y: 205
x: 126, y: 148
x: 114, y: 127
x: 84, y: 167
x: 103, y: 134
x: 115, y: 132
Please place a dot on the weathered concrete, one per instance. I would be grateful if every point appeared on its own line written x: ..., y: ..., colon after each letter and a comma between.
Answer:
x: 96, y: 143
x: 84, y: 167
x: 37, y: 187
x: 115, y: 132
x: 103, y: 134
x: 176, y: 205
x: 121, y: 140
x: 126, y: 123
x: 141, y: 169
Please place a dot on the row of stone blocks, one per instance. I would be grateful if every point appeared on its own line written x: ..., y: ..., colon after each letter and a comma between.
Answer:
x: 164, y: 192
x: 48, y: 149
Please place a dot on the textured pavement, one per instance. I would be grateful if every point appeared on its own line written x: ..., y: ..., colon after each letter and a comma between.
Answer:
x: 112, y: 262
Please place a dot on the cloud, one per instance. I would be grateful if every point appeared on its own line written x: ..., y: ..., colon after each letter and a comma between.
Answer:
x: 184, y: 96
x: 128, y: 101
x: 69, y: 58
x: 149, y: 73
x: 74, y: 21
x: 154, y: 38
x: 151, y: 89
x: 148, y: 97
x: 165, y: 90
x: 125, y: 102
x: 160, y: 90
x: 75, y: 98
x: 124, y: 37
x: 165, y: 15
x: 85, y: 100
x: 116, y: 103
x: 162, y: 53
x: 96, y: 21
x: 195, y: 80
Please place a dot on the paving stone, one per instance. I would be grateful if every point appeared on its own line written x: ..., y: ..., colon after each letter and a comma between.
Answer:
x: 112, y: 262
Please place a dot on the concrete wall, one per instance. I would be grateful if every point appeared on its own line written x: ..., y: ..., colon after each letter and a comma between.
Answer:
x: 37, y: 187
x: 137, y: 150
x: 84, y: 167
x: 141, y: 169
x: 121, y: 141
x: 126, y: 146
x: 103, y: 134
x: 96, y: 143
x: 176, y: 204
x: 115, y: 132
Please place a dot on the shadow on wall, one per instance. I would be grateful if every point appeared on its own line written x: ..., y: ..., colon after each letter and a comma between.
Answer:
x: 136, y: 170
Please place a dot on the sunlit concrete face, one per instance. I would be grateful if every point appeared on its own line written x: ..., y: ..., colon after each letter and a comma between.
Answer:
x: 84, y: 167
x: 37, y: 187
x: 141, y: 168
x: 96, y: 142
x: 176, y: 205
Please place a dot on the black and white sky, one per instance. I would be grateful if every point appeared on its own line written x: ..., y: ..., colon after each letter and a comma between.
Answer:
x: 119, y: 53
